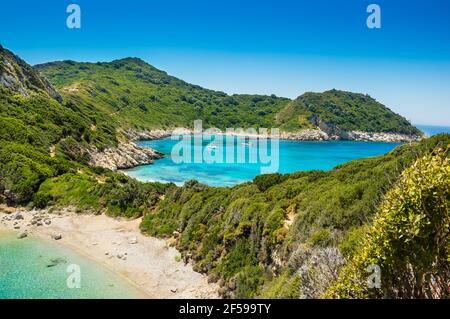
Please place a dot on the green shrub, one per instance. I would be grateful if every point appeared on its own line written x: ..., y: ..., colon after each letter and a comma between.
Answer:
x: 264, y: 182
x: 249, y: 281
x: 409, y: 239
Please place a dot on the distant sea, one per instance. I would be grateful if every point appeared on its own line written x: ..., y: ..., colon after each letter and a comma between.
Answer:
x: 431, y: 130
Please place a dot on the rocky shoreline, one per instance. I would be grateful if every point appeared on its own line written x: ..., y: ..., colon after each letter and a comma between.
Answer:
x: 317, y: 134
x: 125, y: 155
x: 320, y: 135
x: 134, y: 135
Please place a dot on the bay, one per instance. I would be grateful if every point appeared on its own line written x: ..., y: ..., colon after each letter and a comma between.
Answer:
x: 293, y: 156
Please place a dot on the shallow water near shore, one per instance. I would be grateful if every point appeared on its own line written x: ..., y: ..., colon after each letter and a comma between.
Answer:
x: 32, y: 268
x: 293, y: 156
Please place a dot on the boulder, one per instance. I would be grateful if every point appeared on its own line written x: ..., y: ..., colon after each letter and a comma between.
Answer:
x: 22, y: 235
x: 57, y: 236
x: 232, y: 284
x: 176, y: 234
x: 18, y: 216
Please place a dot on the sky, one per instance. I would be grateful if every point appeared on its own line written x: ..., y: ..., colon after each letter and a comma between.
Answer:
x: 282, y: 47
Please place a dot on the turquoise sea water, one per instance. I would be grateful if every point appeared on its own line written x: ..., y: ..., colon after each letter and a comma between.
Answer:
x: 293, y: 156
x: 31, y: 268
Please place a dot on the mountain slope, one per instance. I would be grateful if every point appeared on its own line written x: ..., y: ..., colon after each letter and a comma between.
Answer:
x: 42, y: 136
x: 19, y: 76
x: 139, y: 96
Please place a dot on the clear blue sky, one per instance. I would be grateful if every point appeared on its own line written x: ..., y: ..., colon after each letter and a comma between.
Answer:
x: 285, y: 47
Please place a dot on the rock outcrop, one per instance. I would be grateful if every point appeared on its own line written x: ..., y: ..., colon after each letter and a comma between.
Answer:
x: 155, y: 134
x: 125, y: 155
x: 17, y: 75
x: 320, y: 135
x: 305, y: 135
x: 323, y: 133
x: 381, y: 137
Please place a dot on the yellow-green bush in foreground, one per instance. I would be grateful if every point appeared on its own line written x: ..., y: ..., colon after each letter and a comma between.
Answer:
x: 409, y: 240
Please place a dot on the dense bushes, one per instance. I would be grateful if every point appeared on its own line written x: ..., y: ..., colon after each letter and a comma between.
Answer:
x: 23, y: 168
x: 113, y: 193
x: 264, y: 182
x: 409, y: 239
x: 29, y: 128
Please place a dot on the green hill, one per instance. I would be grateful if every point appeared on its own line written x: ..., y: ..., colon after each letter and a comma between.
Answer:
x: 409, y: 240
x: 137, y: 95
x: 41, y: 135
x: 337, y: 111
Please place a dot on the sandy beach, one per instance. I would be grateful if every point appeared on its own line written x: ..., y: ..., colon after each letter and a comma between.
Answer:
x: 148, y: 263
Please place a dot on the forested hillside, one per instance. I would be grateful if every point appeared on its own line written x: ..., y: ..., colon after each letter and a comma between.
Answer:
x: 137, y: 95
x: 43, y: 136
